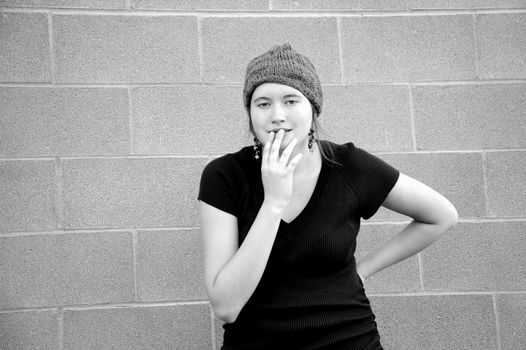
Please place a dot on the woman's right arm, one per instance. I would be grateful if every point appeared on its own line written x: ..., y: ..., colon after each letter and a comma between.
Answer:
x: 232, y: 272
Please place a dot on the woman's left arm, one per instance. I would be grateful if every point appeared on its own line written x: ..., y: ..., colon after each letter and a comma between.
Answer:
x: 432, y: 215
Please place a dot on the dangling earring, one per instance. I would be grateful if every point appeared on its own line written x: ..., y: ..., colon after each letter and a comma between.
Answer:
x: 310, y: 145
x: 257, y: 148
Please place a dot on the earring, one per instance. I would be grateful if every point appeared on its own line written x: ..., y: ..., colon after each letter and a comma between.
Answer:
x: 310, y: 145
x: 257, y: 148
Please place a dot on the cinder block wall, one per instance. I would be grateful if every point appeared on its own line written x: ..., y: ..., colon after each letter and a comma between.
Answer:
x: 110, y: 109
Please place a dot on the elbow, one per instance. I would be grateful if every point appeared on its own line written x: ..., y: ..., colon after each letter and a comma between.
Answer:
x: 225, y: 305
x: 449, y: 218
x: 445, y: 219
x: 225, y: 314
x: 224, y: 309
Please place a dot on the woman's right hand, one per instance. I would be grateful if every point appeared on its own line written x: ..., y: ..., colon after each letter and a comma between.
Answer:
x: 277, y: 171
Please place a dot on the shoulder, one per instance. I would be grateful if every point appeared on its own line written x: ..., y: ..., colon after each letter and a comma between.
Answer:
x: 347, y: 154
x: 225, y: 178
x: 359, y: 166
x: 230, y: 163
x: 370, y: 177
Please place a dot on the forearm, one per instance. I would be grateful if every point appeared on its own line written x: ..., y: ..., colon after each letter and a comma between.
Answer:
x: 412, y: 239
x: 239, y: 277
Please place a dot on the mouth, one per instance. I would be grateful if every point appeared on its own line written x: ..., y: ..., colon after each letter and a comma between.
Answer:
x: 278, y: 129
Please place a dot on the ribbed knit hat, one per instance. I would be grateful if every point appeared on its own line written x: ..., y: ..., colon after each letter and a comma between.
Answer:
x: 283, y: 65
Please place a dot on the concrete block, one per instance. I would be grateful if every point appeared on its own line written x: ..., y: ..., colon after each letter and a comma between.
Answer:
x: 157, y: 327
x: 338, y: 5
x: 78, y: 4
x: 501, y: 45
x: 29, y: 330
x: 408, y: 48
x: 477, y: 256
x: 223, y: 5
x: 374, y: 116
x: 511, y: 310
x: 61, y: 269
x: 230, y: 43
x: 457, y: 176
x: 170, y: 266
x: 506, y: 184
x: 404, y: 276
x: 27, y: 195
x: 125, y: 49
x: 189, y: 120
x: 436, y: 322
x: 64, y: 121
x: 470, y: 116
x: 143, y: 192
x: 25, y: 54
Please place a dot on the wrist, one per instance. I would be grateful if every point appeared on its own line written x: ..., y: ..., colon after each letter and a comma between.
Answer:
x: 274, y: 206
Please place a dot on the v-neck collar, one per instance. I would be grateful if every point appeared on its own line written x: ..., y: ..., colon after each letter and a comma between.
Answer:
x: 290, y: 228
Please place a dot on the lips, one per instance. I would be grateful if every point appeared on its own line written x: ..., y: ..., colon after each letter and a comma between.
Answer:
x: 278, y: 129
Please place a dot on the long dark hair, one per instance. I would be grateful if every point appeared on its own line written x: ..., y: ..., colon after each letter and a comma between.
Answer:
x: 326, y: 148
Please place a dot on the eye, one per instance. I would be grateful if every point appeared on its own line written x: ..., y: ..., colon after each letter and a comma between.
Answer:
x: 291, y: 102
x: 263, y: 105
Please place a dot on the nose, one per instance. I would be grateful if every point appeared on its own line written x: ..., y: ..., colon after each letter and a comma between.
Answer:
x: 278, y: 114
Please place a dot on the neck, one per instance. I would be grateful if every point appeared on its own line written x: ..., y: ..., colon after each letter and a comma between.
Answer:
x: 310, y: 160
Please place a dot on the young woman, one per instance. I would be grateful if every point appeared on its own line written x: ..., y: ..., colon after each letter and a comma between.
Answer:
x: 279, y: 220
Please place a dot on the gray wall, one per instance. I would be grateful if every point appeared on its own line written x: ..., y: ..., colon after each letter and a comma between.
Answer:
x: 110, y: 110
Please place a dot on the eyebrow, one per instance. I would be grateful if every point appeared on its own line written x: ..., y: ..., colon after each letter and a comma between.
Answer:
x: 292, y: 95
x: 286, y: 96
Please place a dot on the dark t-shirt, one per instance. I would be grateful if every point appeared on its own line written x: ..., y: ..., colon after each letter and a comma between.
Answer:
x: 310, y: 295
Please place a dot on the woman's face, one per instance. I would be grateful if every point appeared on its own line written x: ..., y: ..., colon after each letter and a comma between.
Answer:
x: 276, y: 106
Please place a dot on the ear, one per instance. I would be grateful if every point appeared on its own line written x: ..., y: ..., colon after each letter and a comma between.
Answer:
x: 250, y: 126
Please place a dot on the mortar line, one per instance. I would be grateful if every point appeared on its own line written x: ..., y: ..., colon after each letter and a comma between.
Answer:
x: 340, y: 46
x: 79, y: 307
x: 421, y: 270
x: 60, y: 331
x: 100, y: 230
x: 131, y: 148
x: 211, y: 156
x: 483, y: 220
x: 200, y: 48
x: 497, y: 321
x: 135, y: 242
x: 212, y: 327
x: 263, y: 13
x: 240, y: 84
x: 114, y: 156
x: 51, y: 49
x: 95, y: 230
x: 59, y: 192
x: 475, y: 39
x: 469, y: 151
x: 483, y: 157
x: 431, y: 293
x: 135, y: 305
x: 270, y: 5
x: 7, y: 234
x: 412, y: 118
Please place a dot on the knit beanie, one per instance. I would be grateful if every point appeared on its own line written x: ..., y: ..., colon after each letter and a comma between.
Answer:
x: 283, y: 65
